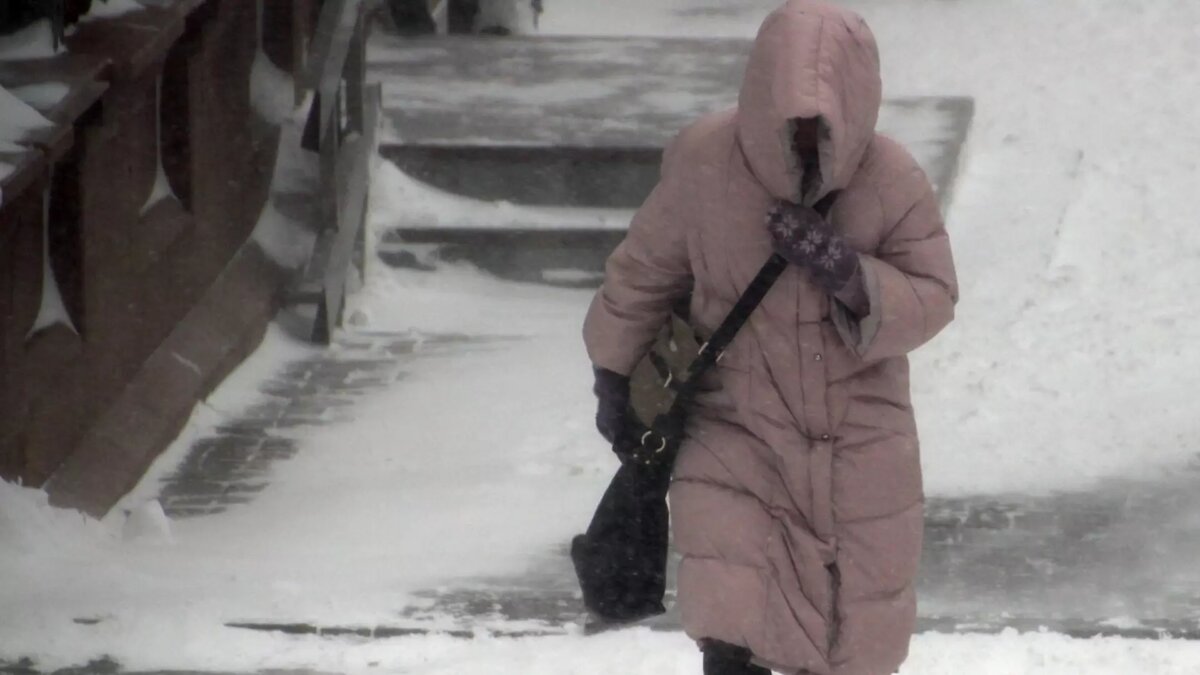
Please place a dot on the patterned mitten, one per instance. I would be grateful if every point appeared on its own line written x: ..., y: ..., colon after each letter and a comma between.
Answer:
x: 808, y: 241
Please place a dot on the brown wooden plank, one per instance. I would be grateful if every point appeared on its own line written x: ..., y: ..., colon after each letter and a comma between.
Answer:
x: 136, y: 40
x: 355, y: 73
x: 81, y: 74
x: 64, y: 67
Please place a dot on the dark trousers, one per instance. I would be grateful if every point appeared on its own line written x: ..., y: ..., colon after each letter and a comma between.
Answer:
x: 412, y: 17
x: 461, y: 15
x: 721, y: 658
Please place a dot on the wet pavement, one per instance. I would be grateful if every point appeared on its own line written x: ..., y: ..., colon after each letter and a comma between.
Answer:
x: 229, y: 467
x: 1122, y: 558
x: 1116, y: 561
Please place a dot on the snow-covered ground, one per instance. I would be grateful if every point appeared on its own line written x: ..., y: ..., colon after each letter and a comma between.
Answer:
x: 1070, y: 362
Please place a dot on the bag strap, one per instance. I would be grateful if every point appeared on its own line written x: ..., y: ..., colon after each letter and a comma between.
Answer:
x: 714, y: 348
x: 667, y: 427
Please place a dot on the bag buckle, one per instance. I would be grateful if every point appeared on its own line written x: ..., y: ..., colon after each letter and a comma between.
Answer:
x: 662, y: 446
x: 704, y: 348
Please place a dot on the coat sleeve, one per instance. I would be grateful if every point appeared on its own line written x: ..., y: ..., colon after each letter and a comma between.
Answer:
x: 644, y: 277
x: 910, y: 280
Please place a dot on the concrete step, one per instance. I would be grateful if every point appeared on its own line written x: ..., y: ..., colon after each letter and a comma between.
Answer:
x: 568, y: 258
x: 569, y: 124
x: 577, y: 174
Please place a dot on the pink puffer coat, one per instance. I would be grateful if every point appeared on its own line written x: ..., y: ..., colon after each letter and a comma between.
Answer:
x: 797, y: 498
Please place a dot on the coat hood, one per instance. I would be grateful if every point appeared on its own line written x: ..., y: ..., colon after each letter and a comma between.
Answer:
x: 810, y: 60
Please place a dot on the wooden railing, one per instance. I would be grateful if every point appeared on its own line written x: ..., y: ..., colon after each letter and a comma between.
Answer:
x: 130, y: 282
x: 341, y: 128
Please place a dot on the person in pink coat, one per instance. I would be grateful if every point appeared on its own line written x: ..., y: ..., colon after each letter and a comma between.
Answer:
x: 796, y: 499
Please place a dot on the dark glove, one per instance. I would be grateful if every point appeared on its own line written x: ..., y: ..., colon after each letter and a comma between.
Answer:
x: 612, y: 391
x: 808, y: 241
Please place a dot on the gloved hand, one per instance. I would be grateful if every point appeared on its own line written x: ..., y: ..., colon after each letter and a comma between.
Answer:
x: 810, y: 242
x: 612, y: 392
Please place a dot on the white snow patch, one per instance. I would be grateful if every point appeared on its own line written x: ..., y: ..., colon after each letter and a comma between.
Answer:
x: 284, y: 240
x: 147, y: 522
x: 52, y: 311
x: 43, y: 96
x: 568, y: 276
x: 110, y: 9
x: 1012, y: 653
x: 397, y: 199
x: 1075, y: 239
x: 17, y: 118
x: 272, y: 91
x: 35, y: 41
x: 1123, y: 623
x: 162, y: 186
x: 165, y: 644
x: 515, y: 15
x: 34, y: 532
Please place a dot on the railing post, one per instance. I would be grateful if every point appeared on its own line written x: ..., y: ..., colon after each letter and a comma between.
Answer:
x: 355, y: 75
x: 336, y: 72
x: 330, y: 144
x: 302, y: 29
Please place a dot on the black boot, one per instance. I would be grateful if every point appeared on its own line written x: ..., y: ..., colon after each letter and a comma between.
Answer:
x: 722, y: 658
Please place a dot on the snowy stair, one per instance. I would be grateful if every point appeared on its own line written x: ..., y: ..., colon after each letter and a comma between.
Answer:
x: 526, y: 156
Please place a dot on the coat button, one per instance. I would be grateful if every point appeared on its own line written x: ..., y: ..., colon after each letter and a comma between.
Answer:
x: 824, y: 437
x: 818, y: 357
